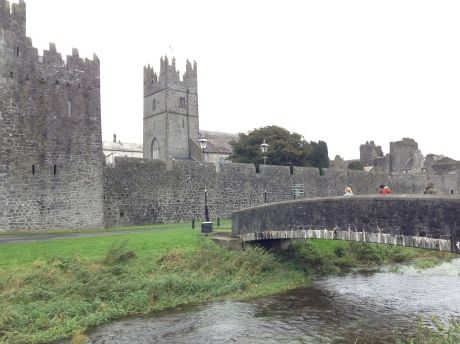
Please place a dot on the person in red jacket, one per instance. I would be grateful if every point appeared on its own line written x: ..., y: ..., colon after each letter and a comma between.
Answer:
x: 384, y: 190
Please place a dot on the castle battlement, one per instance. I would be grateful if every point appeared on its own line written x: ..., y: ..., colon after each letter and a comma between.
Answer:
x: 50, y: 132
x: 74, y: 61
x: 20, y: 60
x: 169, y: 77
x: 13, y: 16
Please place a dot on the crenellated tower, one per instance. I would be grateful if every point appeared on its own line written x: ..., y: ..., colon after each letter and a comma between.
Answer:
x: 50, y: 133
x: 170, y: 111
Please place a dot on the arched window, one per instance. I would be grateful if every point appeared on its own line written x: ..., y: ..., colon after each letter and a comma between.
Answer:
x: 155, y: 149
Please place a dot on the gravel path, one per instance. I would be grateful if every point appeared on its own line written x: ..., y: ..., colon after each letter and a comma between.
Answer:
x: 42, y: 237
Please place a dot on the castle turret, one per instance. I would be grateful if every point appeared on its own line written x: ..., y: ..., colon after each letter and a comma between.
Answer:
x: 170, y: 111
x: 50, y: 133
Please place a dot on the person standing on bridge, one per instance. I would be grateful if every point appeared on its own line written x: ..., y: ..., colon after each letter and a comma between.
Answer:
x: 348, y: 191
x: 384, y: 190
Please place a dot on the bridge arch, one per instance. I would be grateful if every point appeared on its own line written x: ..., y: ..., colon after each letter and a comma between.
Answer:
x: 431, y: 222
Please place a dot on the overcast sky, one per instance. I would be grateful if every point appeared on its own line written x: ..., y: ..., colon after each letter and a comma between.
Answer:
x: 334, y: 70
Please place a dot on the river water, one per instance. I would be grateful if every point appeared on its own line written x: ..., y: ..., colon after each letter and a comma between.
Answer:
x: 357, y: 308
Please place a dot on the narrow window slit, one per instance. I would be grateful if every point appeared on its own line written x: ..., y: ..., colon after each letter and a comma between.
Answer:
x: 69, y: 107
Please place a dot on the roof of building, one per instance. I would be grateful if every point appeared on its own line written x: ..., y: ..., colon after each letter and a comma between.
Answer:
x: 121, y: 146
x: 219, y: 142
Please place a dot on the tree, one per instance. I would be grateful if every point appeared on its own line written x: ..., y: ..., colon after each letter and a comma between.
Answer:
x: 286, y: 148
x: 319, y: 156
x: 355, y: 165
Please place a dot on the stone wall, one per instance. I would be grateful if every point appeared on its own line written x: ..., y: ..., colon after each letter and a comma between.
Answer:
x: 51, y: 160
x: 139, y: 191
x: 395, y: 219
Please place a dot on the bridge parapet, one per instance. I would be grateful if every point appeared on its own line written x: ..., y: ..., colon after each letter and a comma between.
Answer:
x: 431, y: 222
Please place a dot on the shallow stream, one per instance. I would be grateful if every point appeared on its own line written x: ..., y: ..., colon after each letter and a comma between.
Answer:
x: 357, y: 308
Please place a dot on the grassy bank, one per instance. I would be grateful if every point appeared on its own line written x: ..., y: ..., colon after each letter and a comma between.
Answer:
x: 435, y: 333
x: 322, y: 257
x: 55, y: 289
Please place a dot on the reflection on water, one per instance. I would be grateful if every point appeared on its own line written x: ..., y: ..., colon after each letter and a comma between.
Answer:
x: 367, y: 308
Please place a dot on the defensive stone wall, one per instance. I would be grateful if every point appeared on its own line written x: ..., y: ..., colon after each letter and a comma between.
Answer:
x: 51, y: 160
x: 139, y: 191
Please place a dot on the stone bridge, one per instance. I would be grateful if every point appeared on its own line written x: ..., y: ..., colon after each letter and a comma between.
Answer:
x: 431, y: 222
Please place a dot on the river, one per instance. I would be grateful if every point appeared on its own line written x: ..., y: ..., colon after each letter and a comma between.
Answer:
x: 357, y: 308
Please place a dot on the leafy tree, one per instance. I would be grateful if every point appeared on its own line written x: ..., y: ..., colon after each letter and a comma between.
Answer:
x: 286, y: 148
x: 319, y: 156
x: 355, y: 165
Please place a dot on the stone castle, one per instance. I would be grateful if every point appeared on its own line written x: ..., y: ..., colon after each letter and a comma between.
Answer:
x: 53, y: 172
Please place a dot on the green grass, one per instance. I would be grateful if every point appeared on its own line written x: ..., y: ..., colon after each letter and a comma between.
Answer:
x: 320, y: 257
x: 435, y: 332
x: 59, y: 288
x: 91, y: 248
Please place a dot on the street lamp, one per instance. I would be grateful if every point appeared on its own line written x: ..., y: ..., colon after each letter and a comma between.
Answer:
x: 264, y: 148
x: 206, y: 227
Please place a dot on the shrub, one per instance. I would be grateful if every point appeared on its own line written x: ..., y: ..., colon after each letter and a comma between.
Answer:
x: 355, y: 165
x: 118, y: 253
x: 310, y: 258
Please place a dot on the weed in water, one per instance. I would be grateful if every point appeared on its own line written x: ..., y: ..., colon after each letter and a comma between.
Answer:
x: 80, y: 338
x: 435, y: 332
x: 426, y: 263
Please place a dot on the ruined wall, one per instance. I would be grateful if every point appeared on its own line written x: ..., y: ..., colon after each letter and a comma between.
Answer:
x: 139, y: 191
x: 50, y: 133
x: 368, y: 152
x: 401, y: 153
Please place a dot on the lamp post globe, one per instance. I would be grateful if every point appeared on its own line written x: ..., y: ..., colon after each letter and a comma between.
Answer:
x: 203, y: 144
x: 264, y: 148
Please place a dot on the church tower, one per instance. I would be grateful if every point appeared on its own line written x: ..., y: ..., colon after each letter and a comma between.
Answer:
x: 170, y: 111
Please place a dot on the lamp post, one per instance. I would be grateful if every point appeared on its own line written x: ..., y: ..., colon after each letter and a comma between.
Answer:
x: 206, y: 227
x: 264, y: 148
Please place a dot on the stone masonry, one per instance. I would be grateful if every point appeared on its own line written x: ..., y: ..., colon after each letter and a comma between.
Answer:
x: 430, y: 222
x: 139, y: 191
x: 170, y: 111
x: 50, y: 133
x: 52, y: 172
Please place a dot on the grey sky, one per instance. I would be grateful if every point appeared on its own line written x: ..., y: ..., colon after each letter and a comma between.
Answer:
x: 340, y: 71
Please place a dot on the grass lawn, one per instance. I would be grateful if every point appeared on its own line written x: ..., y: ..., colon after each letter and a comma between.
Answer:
x: 59, y: 288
